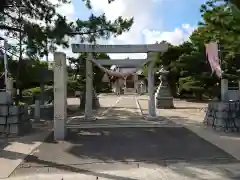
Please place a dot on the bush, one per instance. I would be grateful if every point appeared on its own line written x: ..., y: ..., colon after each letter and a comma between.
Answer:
x: 22, y: 103
x: 190, y: 87
x: 74, y: 85
x: 32, y: 92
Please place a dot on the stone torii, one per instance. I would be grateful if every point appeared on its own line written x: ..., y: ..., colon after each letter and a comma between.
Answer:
x: 60, y: 77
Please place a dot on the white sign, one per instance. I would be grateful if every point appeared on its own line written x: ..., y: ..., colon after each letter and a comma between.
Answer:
x: 141, y: 48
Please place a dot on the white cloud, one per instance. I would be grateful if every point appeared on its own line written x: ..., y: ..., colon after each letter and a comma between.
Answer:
x: 139, y: 9
x: 142, y: 11
x: 140, y: 32
x: 65, y: 9
x: 176, y: 37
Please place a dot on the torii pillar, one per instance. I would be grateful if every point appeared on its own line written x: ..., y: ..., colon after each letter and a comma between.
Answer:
x: 60, y: 95
x: 89, y: 87
x: 151, y: 97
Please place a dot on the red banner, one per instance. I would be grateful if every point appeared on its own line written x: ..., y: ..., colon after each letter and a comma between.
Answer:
x: 213, y: 58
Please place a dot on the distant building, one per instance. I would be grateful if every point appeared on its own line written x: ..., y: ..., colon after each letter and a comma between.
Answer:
x: 132, y: 83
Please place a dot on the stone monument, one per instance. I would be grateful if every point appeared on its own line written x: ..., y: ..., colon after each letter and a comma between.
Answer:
x: 164, y: 99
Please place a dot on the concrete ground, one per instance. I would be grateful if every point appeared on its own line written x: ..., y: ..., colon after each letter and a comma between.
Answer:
x: 122, y: 145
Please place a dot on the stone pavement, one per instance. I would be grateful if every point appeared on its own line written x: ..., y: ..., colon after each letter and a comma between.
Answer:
x: 177, y: 172
x: 152, y: 150
x: 192, y: 117
x: 122, y: 111
x: 115, y: 153
x: 106, y: 103
x: 14, y: 150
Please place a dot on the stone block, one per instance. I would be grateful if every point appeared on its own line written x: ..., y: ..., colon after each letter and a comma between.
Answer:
x: 46, y: 112
x: 164, y: 103
x: 5, y: 98
x: 11, y: 110
x: 164, y: 92
x: 16, y: 110
x: 16, y: 129
x: 13, y: 119
x: 4, y: 109
x: 9, y: 120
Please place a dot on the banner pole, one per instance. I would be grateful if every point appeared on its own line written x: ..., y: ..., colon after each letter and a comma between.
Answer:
x: 220, y: 57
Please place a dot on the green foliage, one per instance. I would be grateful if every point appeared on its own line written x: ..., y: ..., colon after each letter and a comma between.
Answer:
x: 187, y: 63
x: 22, y: 103
x: 236, y: 3
x: 79, y: 71
x: 74, y: 85
x: 37, y: 25
x: 32, y: 92
x: 38, y: 29
x: 32, y: 73
x: 189, y: 70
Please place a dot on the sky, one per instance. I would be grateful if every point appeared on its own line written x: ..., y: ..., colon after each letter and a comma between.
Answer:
x: 154, y: 20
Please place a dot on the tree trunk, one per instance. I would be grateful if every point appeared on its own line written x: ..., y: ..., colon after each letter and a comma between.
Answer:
x: 18, y: 78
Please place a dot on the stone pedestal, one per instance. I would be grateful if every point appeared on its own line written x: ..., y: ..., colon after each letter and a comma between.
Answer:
x: 164, y: 99
x: 46, y: 112
x: 9, y: 86
x: 218, y: 113
x: 224, y: 89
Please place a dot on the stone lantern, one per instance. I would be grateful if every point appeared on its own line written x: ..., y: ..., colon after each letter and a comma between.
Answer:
x: 164, y: 99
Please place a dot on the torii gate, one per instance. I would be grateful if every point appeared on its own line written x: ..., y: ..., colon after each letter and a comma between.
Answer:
x: 60, y: 77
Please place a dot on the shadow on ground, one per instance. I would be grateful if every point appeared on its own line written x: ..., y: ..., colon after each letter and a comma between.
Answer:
x: 92, y: 150
x: 114, y: 114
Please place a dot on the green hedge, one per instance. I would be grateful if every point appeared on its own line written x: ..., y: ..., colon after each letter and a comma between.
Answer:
x: 74, y: 85
x: 32, y: 91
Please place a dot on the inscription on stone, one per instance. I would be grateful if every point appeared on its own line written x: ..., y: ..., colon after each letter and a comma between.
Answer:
x: 129, y: 48
x: 57, y: 116
x: 58, y: 63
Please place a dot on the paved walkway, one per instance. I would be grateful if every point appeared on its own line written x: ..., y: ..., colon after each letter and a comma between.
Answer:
x: 120, y: 111
x: 122, y: 145
x: 191, y: 117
